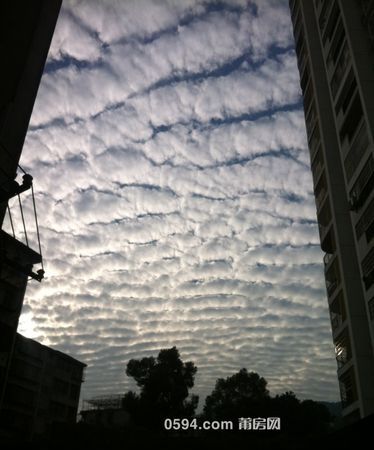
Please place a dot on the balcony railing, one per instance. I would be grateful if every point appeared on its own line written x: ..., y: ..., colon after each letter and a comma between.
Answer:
x: 331, y: 286
x: 340, y: 70
x: 363, y: 185
x: 311, y: 120
x: 367, y: 266
x: 320, y: 197
x: 348, y: 389
x: 367, y: 219
x: 333, y: 28
x: 337, y: 314
x: 314, y: 141
x: 343, y: 350
x: 317, y: 169
x: 357, y: 150
x: 332, y: 277
x: 328, y: 257
x: 324, y: 14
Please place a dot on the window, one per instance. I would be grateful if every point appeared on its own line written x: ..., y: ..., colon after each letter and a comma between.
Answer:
x: 371, y: 308
x: 352, y: 120
x: 366, y: 221
x: 343, y: 350
x: 336, y: 46
x: 308, y: 97
x: 337, y: 312
x: 332, y: 277
x: 317, y: 166
x: 314, y: 141
x: 331, y: 25
x: 347, y: 92
x: 367, y: 266
x: 18, y: 395
x: 60, y: 387
x: 320, y: 191
x: 348, y: 390
x: 357, y: 151
x: 74, y: 391
x: 363, y: 186
x: 324, y: 14
x: 305, y: 78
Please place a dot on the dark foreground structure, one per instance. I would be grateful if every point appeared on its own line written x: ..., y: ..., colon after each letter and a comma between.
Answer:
x: 43, y: 389
x: 26, y: 29
x: 38, y: 386
x: 335, y: 52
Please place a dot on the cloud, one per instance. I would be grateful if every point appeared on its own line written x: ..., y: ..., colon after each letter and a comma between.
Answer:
x: 175, y: 197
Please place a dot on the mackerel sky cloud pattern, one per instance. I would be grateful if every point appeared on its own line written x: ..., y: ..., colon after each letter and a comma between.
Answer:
x: 172, y: 177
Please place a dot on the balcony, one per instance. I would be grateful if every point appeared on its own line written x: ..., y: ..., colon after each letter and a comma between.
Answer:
x: 343, y: 351
x: 311, y: 119
x: 363, y: 185
x: 305, y: 79
x: 357, y: 149
x: 314, y: 142
x: 340, y: 69
x: 337, y: 312
x: 346, y: 96
x: 332, y: 276
x: 324, y: 14
x: 326, y: 231
x: 307, y: 98
x: 352, y: 121
x: 367, y: 266
x: 348, y: 389
x: 317, y: 166
x: 327, y: 259
x: 320, y: 192
x: 297, y: 29
x: 294, y: 6
x: 332, y: 27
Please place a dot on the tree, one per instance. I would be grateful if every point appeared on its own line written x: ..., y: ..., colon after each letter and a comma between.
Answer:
x: 164, y: 384
x: 300, y: 417
x: 242, y: 394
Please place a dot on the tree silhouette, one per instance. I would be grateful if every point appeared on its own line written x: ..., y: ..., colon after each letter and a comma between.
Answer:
x: 242, y: 394
x: 164, y: 384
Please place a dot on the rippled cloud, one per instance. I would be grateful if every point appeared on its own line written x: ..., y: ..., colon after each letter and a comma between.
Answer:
x: 172, y: 178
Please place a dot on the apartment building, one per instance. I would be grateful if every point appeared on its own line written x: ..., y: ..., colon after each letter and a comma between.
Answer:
x: 43, y: 388
x: 334, y: 41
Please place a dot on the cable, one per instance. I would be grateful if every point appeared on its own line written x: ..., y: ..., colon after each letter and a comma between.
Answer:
x: 11, y: 221
x: 23, y: 219
x: 37, y: 225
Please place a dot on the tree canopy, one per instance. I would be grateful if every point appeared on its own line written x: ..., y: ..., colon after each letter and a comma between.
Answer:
x: 241, y: 394
x: 164, y: 388
x: 245, y: 394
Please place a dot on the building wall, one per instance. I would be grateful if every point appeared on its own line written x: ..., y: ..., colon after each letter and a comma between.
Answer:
x: 26, y: 29
x: 335, y: 58
x: 43, y: 388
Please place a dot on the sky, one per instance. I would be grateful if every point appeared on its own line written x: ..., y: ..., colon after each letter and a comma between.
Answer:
x: 175, y: 198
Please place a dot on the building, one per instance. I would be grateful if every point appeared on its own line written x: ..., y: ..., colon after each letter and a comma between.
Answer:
x: 43, y: 388
x: 26, y: 33
x: 334, y: 42
x: 105, y: 412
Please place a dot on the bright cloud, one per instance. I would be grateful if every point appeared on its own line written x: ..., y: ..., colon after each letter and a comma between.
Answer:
x: 175, y: 199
